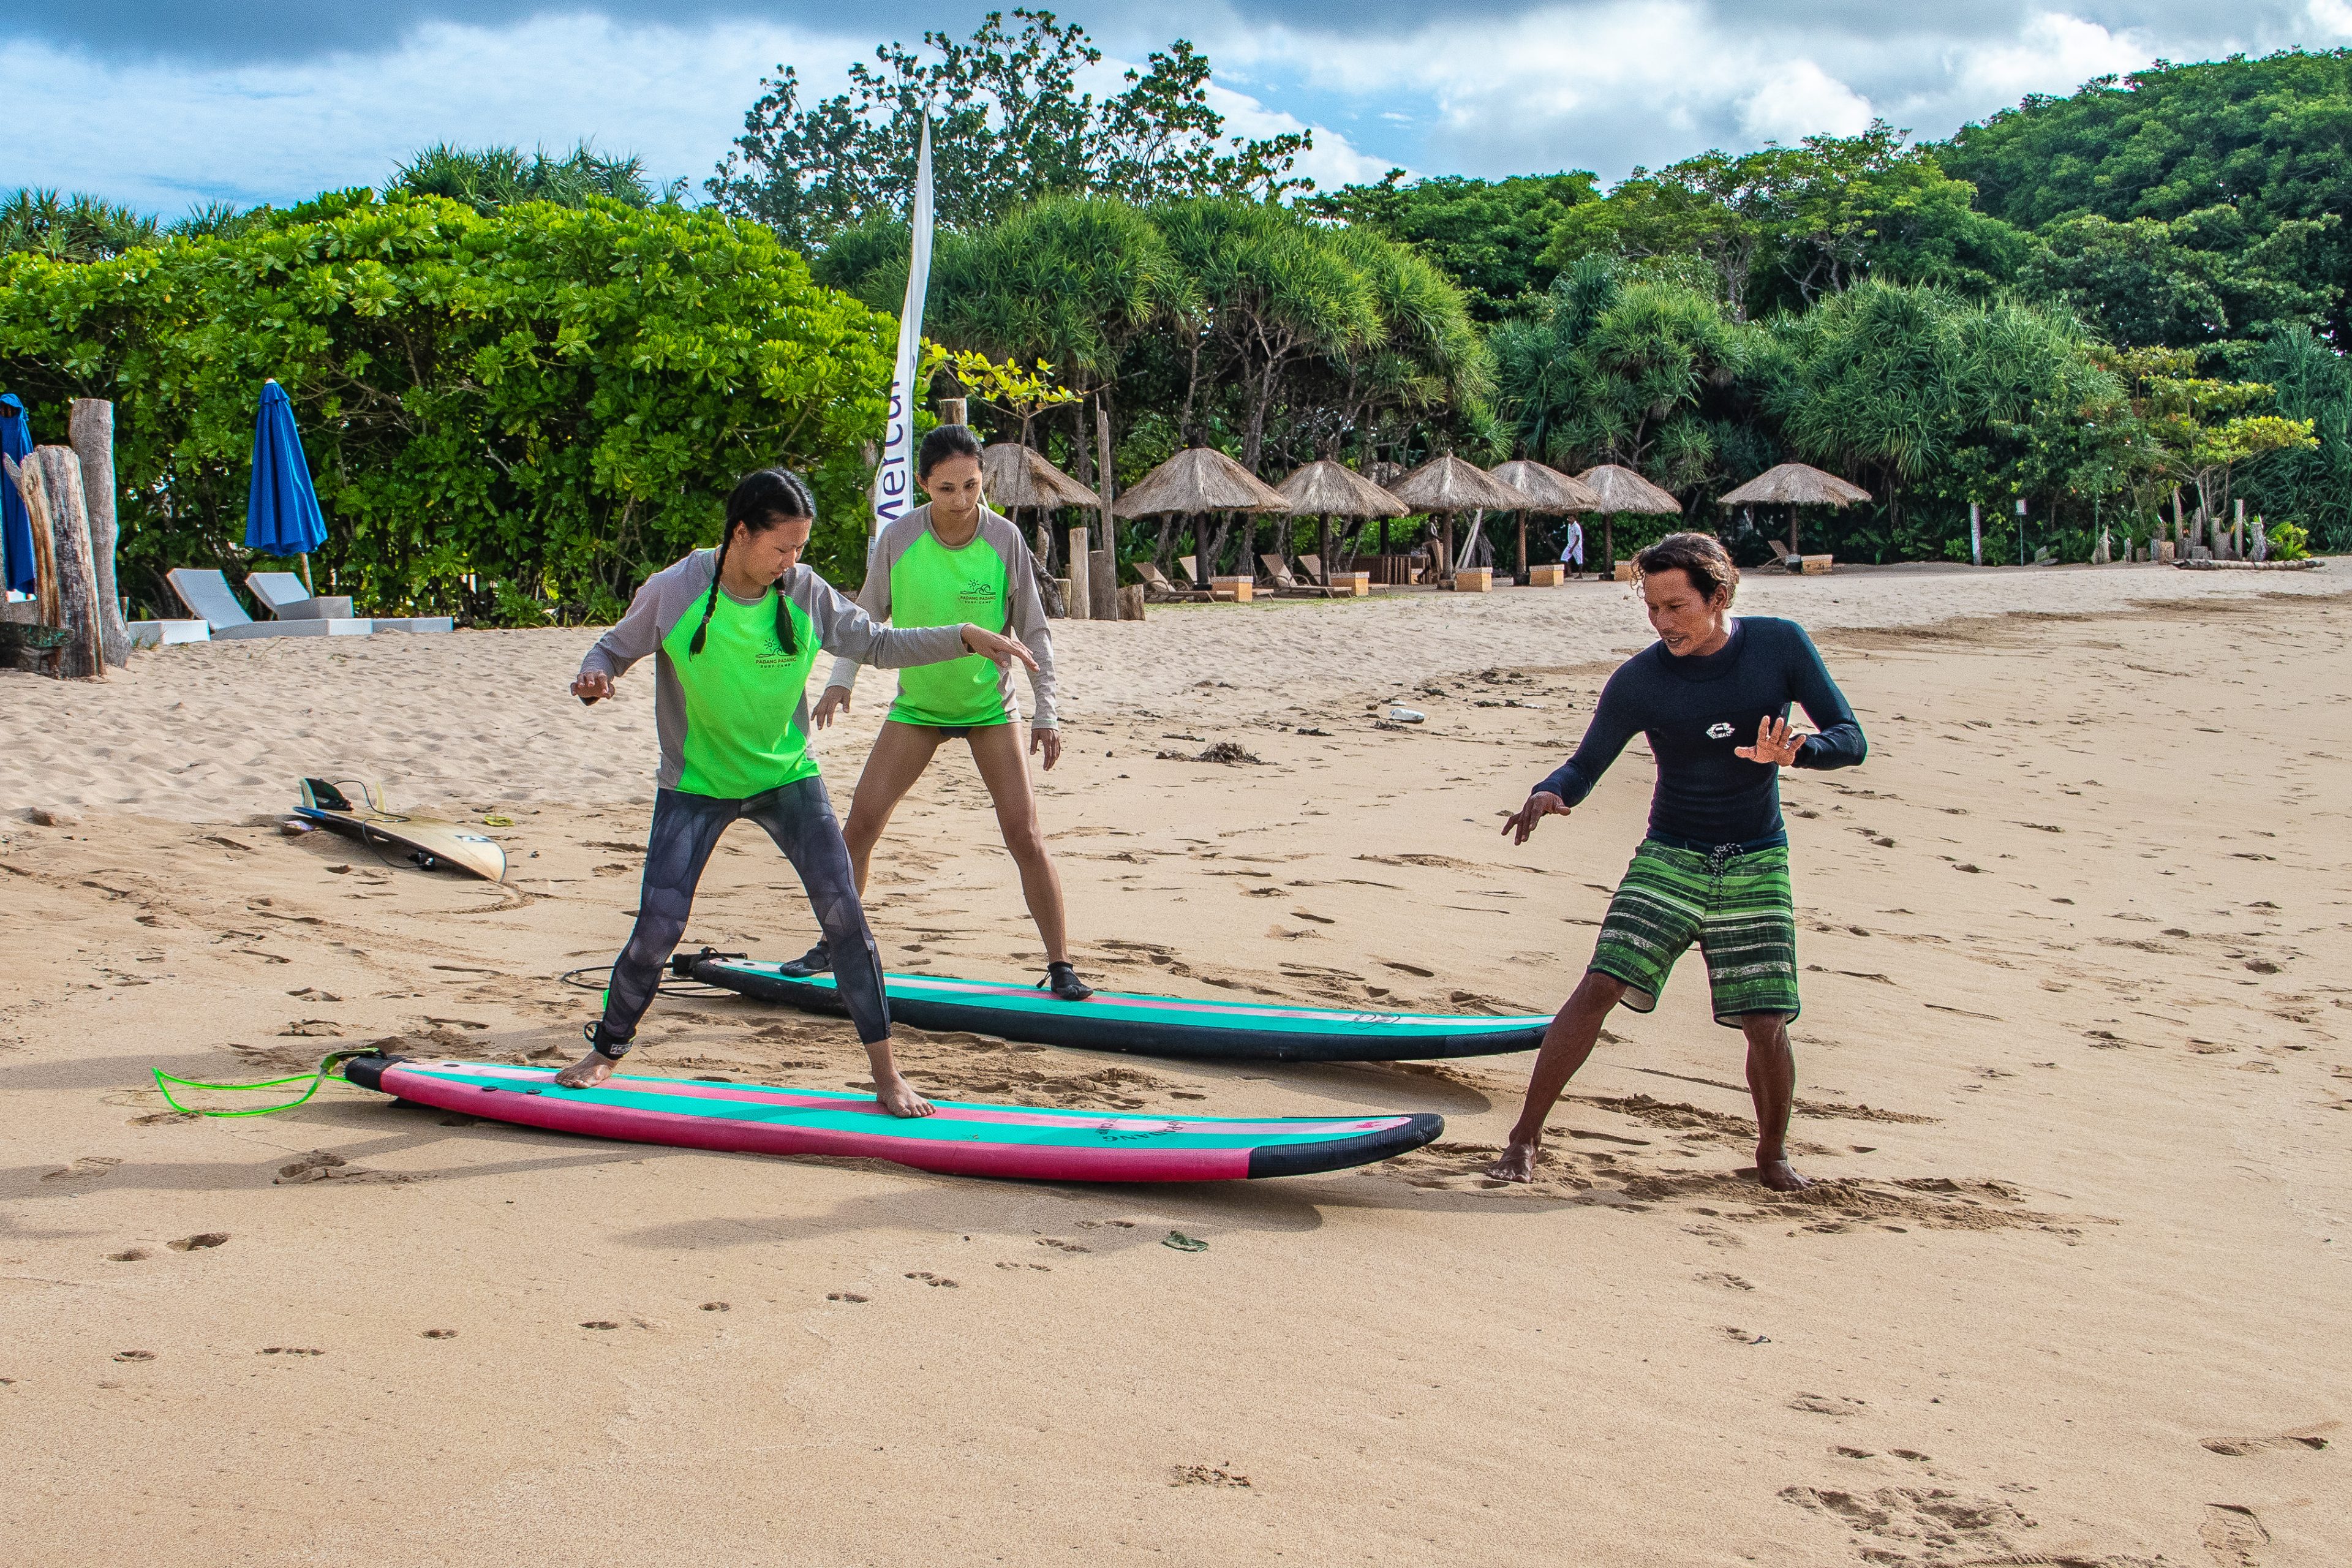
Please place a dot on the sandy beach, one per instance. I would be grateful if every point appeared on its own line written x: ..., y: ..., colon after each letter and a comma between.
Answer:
x: 2071, y: 1286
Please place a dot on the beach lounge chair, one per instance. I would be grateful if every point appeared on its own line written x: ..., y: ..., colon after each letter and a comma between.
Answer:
x: 1156, y: 586
x: 206, y: 593
x: 1286, y: 586
x: 1189, y: 568
x: 283, y: 595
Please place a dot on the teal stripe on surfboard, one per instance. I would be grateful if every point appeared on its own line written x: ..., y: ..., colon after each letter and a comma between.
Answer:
x: 1181, y: 1026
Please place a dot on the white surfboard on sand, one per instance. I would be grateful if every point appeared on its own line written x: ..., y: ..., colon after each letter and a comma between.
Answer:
x: 424, y: 841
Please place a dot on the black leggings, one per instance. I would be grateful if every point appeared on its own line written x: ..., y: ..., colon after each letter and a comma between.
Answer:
x: 799, y: 817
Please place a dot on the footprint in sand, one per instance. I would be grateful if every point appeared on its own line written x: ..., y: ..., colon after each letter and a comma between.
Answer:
x: 1058, y: 1244
x: 160, y: 1118
x: 935, y: 1280
x: 2232, y: 1535
x: 844, y: 1296
x: 715, y: 1307
x: 288, y: 1350
x: 198, y: 1242
x: 439, y: 1334
x: 90, y: 1167
x: 599, y: 1323
x: 134, y: 1255
x: 2312, y: 1437
x: 134, y: 1355
x: 1728, y: 1281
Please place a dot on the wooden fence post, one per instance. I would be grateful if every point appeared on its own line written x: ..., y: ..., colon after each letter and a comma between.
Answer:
x: 90, y: 428
x: 70, y: 587
x: 1081, y: 559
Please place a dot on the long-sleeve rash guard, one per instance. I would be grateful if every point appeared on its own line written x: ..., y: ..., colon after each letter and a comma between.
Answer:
x: 913, y: 580
x: 1697, y: 711
x: 734, y: 719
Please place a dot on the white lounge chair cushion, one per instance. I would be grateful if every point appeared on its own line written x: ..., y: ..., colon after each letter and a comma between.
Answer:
x: 206, y: 593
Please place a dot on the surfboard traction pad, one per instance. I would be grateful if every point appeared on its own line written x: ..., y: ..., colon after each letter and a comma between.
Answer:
x: 1033, y: 1142
x: 1174, y: 1027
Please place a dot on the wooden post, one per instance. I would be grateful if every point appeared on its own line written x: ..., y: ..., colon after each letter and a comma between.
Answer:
x: 2238, y: 533
x: 27, y: 480
x: 1131, y: 601
x: 1080, y: 560
x: 1323, y: 547
x: 1523, y: 547
x: 91, y: 427
x: 75, y: 580
x: 1102, y: 586
x: 1106, y: 482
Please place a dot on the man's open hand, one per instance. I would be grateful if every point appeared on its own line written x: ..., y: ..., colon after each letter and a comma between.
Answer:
x: 591, y: 687
x: 1777, y: 744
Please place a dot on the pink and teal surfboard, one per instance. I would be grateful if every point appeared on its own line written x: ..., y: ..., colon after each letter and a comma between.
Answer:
x: 962, y: 1139
x: 1182, y: 1026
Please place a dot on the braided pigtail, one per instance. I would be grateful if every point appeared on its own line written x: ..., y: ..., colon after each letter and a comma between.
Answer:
x: 702, y: 630
x: 786, y: 639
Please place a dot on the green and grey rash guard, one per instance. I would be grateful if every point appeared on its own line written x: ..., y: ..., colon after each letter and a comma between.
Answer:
x: 913, y: 580
x: 734, y: 719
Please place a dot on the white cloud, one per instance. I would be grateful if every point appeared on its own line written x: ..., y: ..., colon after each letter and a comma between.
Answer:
x: 1801, y: 101
x: 163, y: 134
x: 2054, y: 53
x: 1331, y: 163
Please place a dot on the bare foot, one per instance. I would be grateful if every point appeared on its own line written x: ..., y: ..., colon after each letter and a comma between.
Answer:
x: 1518, y: 1163
x: 900, y: 1098
x: 1780, y: 1176
x: 587, y: 1072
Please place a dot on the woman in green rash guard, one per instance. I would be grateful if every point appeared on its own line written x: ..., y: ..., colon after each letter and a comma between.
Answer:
x: 734, y: 633
x: 951, y: 560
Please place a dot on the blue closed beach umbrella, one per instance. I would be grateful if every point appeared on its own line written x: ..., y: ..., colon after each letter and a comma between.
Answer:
x: 281, y: 510
x: 16, y: 522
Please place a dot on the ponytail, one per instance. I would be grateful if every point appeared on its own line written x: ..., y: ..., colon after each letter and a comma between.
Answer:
x: 759, y: 502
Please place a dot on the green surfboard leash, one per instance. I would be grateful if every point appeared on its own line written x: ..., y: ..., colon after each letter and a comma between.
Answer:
x: 164, y: 1081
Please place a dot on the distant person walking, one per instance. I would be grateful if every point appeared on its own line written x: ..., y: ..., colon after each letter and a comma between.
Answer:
x: 1714, y: 867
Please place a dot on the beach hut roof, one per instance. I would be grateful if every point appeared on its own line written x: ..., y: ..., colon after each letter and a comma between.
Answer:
x: 1014, y: 475
x: 1326, y: 487
x: 1795, y: 484
x: 1199, y: 479
x: 1553, y: 490
x: 1623, y: 490
x: 1446, y: 483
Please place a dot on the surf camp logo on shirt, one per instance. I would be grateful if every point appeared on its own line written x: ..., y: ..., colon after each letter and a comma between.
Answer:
x: 976, y: 592
x: 1718, y: 731
x: 771, y: 654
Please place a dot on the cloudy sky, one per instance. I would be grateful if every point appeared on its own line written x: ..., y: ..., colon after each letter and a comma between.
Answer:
x: 163, y: 103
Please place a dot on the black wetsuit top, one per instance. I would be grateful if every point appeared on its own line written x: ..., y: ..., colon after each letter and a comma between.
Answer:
x: 1695, y: 711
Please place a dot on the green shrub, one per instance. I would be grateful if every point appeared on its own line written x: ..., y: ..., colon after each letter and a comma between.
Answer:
x: 553, y: 400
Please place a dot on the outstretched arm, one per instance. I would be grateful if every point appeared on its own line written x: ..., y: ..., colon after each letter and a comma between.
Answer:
x: 1614, y: 722
x: 632, y: 637
x: 847, y: 630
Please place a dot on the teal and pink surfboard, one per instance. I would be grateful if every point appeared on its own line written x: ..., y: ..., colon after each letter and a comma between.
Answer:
x: 965, y: 1140
x: 1199, y: 1028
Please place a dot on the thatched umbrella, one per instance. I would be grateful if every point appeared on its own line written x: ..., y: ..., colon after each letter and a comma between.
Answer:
x: 1015, y: 476
x: 1195, y: 480
x: 1793, y: 485
x: 1623, y: 490
x: 1328, y: 489
x: 1554, y: 492
x: 1445, y: 485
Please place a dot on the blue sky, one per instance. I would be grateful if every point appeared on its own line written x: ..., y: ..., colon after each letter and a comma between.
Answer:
x: 164, y: 105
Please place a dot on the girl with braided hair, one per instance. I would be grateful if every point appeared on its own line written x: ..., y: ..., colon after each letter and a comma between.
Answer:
x: 734, y: 633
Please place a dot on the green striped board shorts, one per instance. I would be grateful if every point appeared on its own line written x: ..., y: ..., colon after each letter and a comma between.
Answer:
x: 1735, y: 905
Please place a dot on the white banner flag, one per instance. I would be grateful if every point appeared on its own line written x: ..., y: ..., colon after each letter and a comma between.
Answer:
x: 894, y: 481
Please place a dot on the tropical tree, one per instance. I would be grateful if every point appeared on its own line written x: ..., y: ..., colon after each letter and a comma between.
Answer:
x: 2310, y: 486
x: 1489, y: 236
x: 2270, y: 137
x: 2205, y: 427
x: 1009, y: 126
x: 72, y: 229
x: 489, y: 178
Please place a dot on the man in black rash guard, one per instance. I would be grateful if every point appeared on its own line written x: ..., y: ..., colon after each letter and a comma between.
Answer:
x: 1714, y: 866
